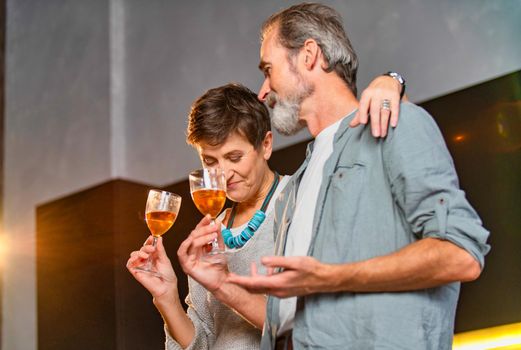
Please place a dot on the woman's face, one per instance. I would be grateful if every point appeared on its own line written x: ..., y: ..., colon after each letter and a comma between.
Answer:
x: 245, y: 166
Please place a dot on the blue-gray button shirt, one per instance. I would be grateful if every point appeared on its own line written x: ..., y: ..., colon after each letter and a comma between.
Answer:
x: 377, y: 196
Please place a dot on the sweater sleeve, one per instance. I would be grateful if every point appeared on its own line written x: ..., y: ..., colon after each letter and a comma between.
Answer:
x: 201, y: 318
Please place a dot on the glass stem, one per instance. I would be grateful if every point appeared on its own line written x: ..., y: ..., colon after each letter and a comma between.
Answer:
x: 215, y: 242
x: 149, y: 260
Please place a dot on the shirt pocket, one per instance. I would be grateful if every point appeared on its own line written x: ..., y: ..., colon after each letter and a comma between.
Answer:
x: 341, y: 209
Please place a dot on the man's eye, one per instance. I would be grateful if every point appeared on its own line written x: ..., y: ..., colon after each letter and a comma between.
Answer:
x: 207, y: 161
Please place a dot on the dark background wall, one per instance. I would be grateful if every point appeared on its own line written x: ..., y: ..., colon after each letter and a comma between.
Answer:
x: 482, y: 128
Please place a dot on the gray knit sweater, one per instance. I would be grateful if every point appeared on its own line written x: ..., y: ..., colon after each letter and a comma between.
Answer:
x: 217, y: 327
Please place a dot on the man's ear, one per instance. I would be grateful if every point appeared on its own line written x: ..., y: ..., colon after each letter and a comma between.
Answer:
x: 267, y: 145
x: 311, y: 54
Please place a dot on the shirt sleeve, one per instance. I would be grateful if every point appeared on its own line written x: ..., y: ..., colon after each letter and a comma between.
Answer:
x: 425, y: 184
x: 201, y: 319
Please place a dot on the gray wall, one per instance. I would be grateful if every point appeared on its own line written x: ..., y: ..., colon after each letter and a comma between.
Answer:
x: 100, y: 89
x: 57, y: 132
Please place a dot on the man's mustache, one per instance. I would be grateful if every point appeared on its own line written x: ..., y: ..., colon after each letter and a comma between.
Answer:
x: 271, y: 99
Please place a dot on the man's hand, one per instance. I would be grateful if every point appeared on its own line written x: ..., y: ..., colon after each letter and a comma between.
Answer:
x: 381, y: 88
x: 300, y: 275
x: 191, y: 253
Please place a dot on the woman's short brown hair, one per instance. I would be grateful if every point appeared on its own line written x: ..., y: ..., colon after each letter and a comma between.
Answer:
x: 224, y: 110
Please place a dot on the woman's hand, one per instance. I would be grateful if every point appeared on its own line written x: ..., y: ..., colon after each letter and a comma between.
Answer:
x: 212, y: 272
x: 164, y: 290
x: 157, y: 286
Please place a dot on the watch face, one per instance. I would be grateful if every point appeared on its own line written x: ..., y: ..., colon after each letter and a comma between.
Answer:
x: 397, y: 77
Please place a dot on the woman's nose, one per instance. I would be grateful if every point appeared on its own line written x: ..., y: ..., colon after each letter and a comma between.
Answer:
x: 228, y: 171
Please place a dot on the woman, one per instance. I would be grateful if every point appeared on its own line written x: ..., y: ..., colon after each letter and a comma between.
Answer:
x: 231, y: 129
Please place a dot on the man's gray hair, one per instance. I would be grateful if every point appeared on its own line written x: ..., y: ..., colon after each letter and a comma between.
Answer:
x: 315, y: 21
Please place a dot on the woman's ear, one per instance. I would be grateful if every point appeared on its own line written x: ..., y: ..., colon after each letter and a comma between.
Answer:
x: 267, y: 145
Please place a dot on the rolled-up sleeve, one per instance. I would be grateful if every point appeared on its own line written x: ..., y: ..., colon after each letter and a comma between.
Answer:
x: 425, y: 184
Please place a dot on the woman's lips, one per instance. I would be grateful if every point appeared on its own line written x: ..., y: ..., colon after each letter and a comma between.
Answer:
x: 232, y: 185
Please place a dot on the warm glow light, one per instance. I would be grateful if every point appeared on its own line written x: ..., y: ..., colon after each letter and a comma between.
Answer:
x: 3, y: 249
x: 459, y: 138
x: 501, y: 337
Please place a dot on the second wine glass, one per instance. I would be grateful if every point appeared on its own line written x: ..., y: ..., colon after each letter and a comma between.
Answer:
x: 208, y: 189
x: 161, y: 212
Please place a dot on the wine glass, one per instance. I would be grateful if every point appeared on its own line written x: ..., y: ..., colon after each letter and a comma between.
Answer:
x: 208, y: 189
x: 161, y: 212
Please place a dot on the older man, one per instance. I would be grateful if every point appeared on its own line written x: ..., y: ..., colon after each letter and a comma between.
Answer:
x: 375, y: 235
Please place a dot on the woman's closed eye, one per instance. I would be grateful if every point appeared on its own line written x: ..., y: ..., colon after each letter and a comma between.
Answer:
x: 231, y: 157
x: 209, y: 161
x: 235, y: 158
x: 213, y: 162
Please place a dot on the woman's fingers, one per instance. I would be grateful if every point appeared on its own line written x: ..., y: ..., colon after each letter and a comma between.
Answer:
x: 137, y: 258
x: 204, y: 221
x: 203, y: 230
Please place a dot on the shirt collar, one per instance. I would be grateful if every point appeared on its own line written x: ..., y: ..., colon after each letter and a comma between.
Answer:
x: 339, y: 131
x: 344, y: 125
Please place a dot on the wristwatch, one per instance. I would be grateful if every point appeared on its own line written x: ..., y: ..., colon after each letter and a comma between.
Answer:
x: 399, y: 79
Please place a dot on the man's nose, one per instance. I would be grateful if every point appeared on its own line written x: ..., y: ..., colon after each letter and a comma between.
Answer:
x: 264, y: 91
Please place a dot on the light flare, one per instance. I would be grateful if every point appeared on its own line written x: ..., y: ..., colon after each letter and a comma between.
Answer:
x: 500, y: 337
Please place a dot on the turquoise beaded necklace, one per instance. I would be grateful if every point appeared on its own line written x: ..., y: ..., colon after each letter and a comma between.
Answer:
x: 254, y: 223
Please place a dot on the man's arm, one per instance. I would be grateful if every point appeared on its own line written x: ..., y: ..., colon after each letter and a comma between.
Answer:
x: 425, y: 187
x: 426, y: 263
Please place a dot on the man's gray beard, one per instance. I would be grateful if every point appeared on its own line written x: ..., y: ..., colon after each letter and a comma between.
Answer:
x: 285, y: 112
x: 285, y: 116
